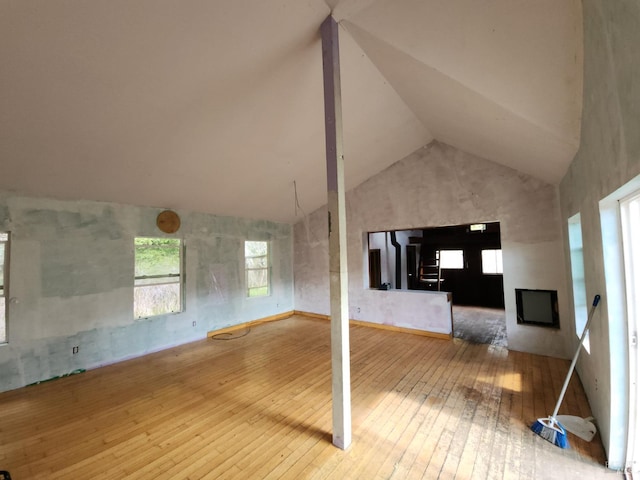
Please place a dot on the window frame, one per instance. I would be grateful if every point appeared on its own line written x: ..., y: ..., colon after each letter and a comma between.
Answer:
x: 180, y: 276
x: 5, y: 286
x: 267, y: 269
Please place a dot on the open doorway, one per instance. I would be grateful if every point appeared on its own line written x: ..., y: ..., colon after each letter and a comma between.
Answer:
x: 620, y: 229
x: 465, y: 260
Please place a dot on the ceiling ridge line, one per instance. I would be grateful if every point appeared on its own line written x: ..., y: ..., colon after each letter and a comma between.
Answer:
x: 349, y: 24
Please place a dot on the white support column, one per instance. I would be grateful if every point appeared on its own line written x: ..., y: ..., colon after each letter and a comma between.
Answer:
x: 340, y: 359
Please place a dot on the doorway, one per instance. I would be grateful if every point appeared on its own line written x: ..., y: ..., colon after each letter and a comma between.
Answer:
x: 465, y: 260
x: 630, y: 220
x: 480, y: 325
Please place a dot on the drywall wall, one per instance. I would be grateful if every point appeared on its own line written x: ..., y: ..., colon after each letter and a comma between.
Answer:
x: 71, y: 283
x: 440, y: 185
x: 608, y: 158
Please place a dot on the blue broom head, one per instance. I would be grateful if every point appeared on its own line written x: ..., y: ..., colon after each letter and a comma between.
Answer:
x: 551, y: 430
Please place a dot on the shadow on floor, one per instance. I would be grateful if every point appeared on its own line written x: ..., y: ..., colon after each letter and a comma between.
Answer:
x: 480, y: 325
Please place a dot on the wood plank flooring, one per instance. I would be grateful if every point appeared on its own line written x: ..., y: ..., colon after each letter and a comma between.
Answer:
x: 259, y: 406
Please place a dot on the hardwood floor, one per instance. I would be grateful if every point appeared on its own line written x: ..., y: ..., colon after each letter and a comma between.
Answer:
x: 258, y: 406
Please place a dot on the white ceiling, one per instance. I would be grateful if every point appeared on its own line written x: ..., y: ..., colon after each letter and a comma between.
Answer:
x: 216, y: 106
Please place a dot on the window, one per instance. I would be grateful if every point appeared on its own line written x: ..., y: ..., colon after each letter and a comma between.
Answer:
x: 452, y: 259
x: 4, y: 251
x: 580, y: 306
x: 158, y: 277
x: 492, y: 262
x: 477, y: 227
x: 256, y: 263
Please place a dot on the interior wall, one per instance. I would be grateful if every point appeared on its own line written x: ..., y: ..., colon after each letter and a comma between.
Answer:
x: 71, y: 283
x: 609, y: 156
x: 440, y: 185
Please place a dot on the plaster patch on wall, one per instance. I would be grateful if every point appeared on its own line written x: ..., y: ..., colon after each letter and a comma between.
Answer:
x: 5, y: 219
x: 63, y: 223
x: 72, y: 269
x: 439, y: 185
x: 608, y: 158
x: 10, y: 374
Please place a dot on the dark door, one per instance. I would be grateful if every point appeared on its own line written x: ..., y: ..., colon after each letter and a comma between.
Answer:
x: 412, y: 278
x: 375, y: 268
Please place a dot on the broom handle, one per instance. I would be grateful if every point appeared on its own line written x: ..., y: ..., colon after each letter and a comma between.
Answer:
x: 596, y: 300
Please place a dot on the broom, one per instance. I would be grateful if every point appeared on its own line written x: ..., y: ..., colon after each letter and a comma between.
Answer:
x: 550, y: 428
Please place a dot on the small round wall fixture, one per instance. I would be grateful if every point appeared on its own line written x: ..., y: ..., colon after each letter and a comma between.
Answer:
x: 168, y: 221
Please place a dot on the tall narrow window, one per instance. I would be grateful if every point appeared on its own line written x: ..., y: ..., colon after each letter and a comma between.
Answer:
x: 580, y: 306
x: 256, y: 263
x: 4, y: 243
x: 158, y: 277
x: 492, y: 262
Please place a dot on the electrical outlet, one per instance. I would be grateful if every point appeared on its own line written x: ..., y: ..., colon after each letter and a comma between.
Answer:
x: 193, y: 323
x: 75, y: 349
x: 358, y: 309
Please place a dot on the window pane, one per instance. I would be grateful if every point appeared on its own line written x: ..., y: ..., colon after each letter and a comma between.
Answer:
x: 2, y: 247
x: 258, y: 291
x: 256, y: 262
x: 4, y: 238
x: 257, y: 278
x: 492, y: 261
x: 156, y: 300
x: 451, y: 259
x: 255, y: 249
x: 157, y: 256
x: 3, y: 321
x: 631, y: 240
x: 580, y: 305
x: 158, y: 282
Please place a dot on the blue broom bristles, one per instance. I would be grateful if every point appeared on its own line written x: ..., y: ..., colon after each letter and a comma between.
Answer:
x: 551, y: 430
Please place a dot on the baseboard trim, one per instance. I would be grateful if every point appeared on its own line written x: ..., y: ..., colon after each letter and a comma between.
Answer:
x: 311, y: 315
x: 242, y: 326
x: 393, y: 328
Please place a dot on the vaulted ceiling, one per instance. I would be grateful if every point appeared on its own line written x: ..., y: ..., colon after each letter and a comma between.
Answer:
x: 216, y: 105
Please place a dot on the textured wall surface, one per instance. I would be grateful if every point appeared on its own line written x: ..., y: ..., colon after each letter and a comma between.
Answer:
x: 440, y: 185
x: 609, y: 157
x: 71, y: 283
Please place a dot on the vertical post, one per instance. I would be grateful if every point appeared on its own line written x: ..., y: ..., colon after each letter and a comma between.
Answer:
x: 338, y: 287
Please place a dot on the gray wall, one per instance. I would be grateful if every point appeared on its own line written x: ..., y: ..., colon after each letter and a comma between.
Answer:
x: 71, y: 283
x: 609, y: 156
x: 439, y: 185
